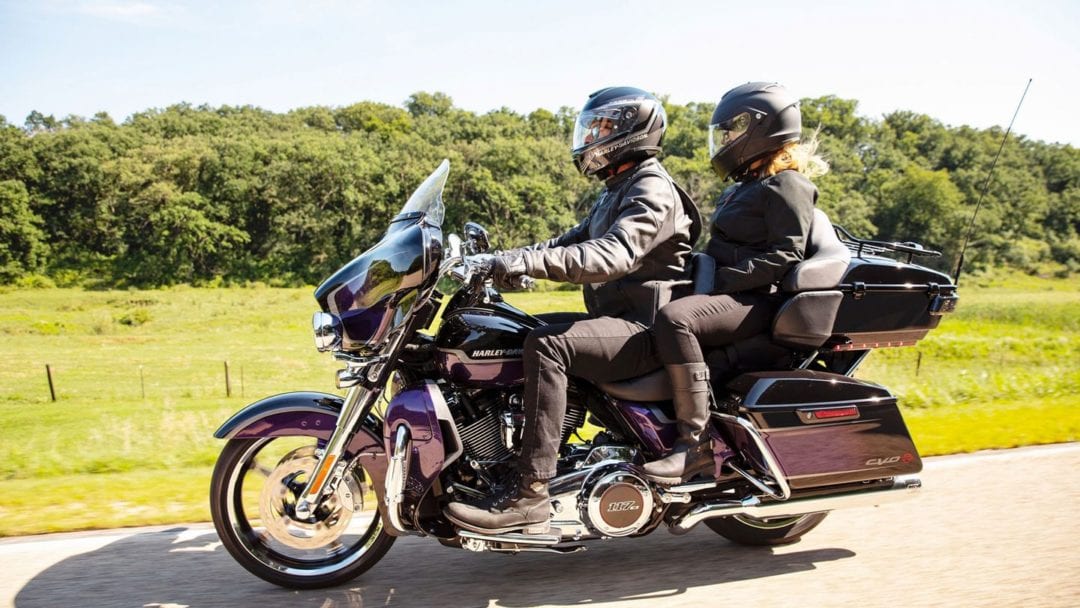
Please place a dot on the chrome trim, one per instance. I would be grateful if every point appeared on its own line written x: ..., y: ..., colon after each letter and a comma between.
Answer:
x: 512, y: 538
x: 347, y: 378
x: 356, y: 401
x: 757, y: 483
x: 442, y: 412
x: 560, y: 550
x: 396, y: 474
x: 681, y: 494
x: 901, y: 489
x: 770, y: 460
x: 809, y: 359
x: 692, y: 487
x: 596, y: 492
x: 568, y: 493
x: 327, y: 329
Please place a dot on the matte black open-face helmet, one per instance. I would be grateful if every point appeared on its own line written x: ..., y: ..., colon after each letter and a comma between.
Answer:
x: 617, y: 125
x: 751, y: 121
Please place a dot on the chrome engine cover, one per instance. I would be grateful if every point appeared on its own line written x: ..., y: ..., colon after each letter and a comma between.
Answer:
x: 617, y: 504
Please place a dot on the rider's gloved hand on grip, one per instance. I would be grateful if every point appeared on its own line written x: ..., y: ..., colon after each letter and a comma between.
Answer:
x: 507, y: 270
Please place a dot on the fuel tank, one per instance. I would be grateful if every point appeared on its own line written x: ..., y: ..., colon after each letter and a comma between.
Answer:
x: 482, y: 347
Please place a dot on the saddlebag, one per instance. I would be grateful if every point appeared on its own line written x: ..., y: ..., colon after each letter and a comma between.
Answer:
x: 823, y: 429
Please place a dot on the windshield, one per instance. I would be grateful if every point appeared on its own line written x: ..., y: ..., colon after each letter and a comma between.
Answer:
x: 427, y: 198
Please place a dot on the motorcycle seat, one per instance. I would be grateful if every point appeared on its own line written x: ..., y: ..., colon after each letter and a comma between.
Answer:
x: 805, y: 319
x: 653, y: 386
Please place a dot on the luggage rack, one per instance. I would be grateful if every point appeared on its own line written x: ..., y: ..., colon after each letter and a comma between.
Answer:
x: 859, y: 246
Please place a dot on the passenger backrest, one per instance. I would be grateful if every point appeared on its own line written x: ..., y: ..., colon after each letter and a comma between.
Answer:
x: 825, y: 262
x: 704, y: 272
x: 806, y: 320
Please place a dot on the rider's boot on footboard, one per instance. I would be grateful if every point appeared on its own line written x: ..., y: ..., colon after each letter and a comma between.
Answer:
x: 527, y: 509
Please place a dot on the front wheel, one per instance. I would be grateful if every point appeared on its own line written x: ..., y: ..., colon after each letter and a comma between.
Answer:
x: 758, y: 532
x: 253, y: 495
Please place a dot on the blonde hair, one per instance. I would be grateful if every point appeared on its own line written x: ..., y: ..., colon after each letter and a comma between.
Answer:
x: 799, y: 156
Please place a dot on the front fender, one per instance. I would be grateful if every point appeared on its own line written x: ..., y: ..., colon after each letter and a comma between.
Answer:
x: 308, y: 414
x: 311, y: 414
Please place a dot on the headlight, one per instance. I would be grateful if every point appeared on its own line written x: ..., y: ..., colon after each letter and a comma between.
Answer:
x: 327, y: 329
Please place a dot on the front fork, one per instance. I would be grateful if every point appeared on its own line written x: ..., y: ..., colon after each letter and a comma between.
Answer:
x: 330, y: 469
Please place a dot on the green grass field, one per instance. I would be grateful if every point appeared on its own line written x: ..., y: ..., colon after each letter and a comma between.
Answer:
x: 140, y: 384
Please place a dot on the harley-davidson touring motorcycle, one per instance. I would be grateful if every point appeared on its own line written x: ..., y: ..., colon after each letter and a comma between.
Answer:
x: 311, y: 489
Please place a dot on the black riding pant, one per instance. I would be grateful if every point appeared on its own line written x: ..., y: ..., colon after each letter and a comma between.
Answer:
x: 688, y: 326
x: 601, y: 349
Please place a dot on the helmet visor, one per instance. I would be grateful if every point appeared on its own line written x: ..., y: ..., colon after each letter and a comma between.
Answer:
x: 721, y: 134
x: 597, y: 125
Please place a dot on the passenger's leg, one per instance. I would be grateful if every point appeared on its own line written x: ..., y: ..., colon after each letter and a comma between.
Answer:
x: 682, y: 328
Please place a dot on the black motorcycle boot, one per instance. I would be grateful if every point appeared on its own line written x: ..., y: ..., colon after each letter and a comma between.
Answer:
x: 527, y: 509
x: 692, y: 454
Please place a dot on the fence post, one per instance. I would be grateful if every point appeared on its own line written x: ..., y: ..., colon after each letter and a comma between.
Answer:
x: 228, y: 388
x: 52, y: 389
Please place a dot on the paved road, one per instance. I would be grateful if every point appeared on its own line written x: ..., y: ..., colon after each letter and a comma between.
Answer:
x: 991, y: 529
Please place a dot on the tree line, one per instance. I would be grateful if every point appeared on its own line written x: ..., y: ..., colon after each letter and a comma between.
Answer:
x: 206, y: 194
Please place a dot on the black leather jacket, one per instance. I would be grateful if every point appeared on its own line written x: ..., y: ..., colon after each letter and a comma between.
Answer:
x: 632, y: 251
x: 759, y: 231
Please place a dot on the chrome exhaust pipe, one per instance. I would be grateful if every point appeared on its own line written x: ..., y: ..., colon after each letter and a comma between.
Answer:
x: 901, y: 489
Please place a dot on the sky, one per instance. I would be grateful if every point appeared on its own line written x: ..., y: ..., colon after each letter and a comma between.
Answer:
x: 962, y: 62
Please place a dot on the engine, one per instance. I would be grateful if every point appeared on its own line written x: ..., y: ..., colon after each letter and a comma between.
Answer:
x: 490, y: 422
x: 603, y: 496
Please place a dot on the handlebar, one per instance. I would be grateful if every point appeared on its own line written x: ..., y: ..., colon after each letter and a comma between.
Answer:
x: 478, y: 268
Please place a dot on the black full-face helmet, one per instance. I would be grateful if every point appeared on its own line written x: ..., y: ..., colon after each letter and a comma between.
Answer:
x: 617, y: 125
x: 751, y: 121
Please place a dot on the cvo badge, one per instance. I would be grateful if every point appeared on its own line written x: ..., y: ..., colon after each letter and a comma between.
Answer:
x: 879, y: 462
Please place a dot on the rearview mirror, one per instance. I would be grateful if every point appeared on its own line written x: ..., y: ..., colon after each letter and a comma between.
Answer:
x: 477, y: 237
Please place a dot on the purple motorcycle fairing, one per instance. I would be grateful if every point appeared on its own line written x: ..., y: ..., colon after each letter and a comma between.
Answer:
x: 420, y: 407
x: 372, y: 293
x: 657, y: 432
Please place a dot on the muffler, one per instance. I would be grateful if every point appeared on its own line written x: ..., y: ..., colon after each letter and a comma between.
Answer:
x: 901, y: 489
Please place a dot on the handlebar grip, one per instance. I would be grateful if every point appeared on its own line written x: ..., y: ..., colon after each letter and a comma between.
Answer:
x: 525, y: 282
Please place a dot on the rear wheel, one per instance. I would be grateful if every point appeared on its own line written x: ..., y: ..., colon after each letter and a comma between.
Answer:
x: 253, y: 495
x: 758, y: 532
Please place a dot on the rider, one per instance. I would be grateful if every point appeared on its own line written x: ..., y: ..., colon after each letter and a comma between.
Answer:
x: 630, y: 253
x: 759, y: 231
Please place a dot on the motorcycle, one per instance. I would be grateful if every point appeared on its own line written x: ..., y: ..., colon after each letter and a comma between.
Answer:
x: 312, y: 489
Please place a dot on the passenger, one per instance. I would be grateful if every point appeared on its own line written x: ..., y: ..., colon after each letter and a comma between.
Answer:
x: 759, y: 231
x: 630, y: 253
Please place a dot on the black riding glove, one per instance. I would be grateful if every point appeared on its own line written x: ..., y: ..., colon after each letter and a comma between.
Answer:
x: 506, y: 270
